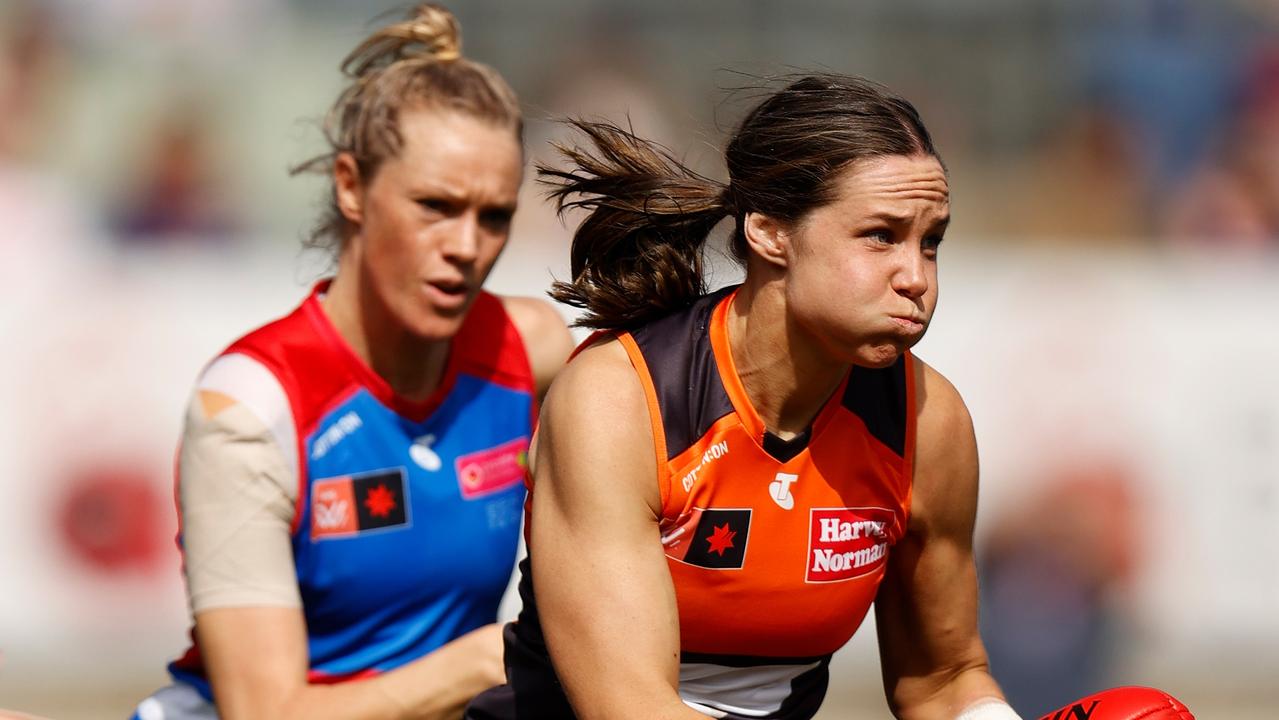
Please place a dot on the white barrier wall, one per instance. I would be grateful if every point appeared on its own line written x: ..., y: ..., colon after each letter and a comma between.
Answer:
x: 1164, y: 365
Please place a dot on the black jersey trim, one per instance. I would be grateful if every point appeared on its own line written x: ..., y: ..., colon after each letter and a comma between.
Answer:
x: 682, y: 368
x: 878, y: 397
x: 784, y: 450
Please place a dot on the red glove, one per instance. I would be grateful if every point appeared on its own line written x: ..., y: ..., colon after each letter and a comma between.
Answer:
x: 1124, y: 703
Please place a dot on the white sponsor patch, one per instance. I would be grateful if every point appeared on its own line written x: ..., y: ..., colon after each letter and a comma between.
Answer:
x: 846, y: 543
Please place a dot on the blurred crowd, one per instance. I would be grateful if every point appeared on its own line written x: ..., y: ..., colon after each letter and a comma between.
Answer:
x: 147, y: 123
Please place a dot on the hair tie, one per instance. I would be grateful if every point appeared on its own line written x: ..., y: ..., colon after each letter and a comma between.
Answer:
x: 441, y: 45
x: 727, y: 201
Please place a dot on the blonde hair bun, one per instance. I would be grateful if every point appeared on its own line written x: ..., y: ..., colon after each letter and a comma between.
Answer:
x: 428, y: 31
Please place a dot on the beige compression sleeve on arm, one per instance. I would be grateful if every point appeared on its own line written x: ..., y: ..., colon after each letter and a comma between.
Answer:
x: 237, y: 489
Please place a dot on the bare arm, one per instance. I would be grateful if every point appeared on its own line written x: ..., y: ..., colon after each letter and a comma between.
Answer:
x: 546, y: 338
x: 933, y: 660
x: 257, y: 662
x: 603, y: 588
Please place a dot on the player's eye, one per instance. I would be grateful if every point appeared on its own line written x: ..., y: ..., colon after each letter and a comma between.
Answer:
x: 436, y: 205
x: 931, y: 244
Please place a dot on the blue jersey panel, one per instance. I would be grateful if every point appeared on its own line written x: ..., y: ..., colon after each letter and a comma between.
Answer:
x: 409, y: 530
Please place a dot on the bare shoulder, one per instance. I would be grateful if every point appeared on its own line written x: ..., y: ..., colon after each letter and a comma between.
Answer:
x: 600, y: 383
x: 595, y: 425
x: 945, y: 478
x: 938, y: 403
x: 531, y: 314
x: 547, y: 341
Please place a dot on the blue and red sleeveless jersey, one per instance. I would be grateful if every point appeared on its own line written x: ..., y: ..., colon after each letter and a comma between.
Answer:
x: 407, y: 521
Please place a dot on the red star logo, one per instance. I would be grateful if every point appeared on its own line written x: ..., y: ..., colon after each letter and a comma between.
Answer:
x: 380, y: 501
x: 721, y: 539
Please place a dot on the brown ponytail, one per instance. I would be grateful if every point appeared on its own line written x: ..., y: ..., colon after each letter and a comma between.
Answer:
x: 414, y: 63
x: 638, y: 255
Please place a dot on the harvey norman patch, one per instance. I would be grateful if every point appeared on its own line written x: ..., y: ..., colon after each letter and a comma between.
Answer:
x: 488, y: 471
x: 351, y: 504
x: 713, y: 538
x: 846, y: 543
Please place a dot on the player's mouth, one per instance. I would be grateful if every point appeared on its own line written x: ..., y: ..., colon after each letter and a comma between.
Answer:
x: 911, y: 325
x: 448, y: 293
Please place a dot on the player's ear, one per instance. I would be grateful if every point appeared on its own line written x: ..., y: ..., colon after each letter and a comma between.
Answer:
x: 348, y: 187
x: 767, y: 237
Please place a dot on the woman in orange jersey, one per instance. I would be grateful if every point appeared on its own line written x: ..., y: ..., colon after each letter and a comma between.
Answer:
x: 723, y: 483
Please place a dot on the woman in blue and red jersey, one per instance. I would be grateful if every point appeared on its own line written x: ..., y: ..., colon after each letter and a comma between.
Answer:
x: 351, y: 476
x: 724, y: 483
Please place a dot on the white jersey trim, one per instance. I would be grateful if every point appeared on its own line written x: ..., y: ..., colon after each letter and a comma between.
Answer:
x: 756, y: 691
x: 178, y: 701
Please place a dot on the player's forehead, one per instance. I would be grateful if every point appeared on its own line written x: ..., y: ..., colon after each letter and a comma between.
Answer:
x: 911, y: 176
x: 896, y: 187
x: 454, y: 153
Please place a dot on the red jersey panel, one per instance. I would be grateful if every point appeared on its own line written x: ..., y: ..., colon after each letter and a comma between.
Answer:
x: 406, y: 520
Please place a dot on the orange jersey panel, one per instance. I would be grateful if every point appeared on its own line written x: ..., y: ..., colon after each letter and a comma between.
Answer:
x: 776, y: 548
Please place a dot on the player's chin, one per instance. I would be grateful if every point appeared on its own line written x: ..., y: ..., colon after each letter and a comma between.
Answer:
x: 445, y: 308
x: 882, y: 354
x: 432, y: 324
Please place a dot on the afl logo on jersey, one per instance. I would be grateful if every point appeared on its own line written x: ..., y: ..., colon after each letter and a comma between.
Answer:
x: 422, y: 453
x: 847, y: 543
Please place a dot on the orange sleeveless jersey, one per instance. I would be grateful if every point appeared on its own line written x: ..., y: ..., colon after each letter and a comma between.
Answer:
x: 776, y: 548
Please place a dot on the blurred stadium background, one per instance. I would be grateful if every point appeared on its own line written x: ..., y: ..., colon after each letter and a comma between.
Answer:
x: 1110, y: 285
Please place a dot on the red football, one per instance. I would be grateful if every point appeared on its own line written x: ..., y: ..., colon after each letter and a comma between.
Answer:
x: 1124, y: 703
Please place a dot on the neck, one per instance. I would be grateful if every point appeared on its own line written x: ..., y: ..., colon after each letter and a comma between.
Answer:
x: 787, y: 376
x: 413, y: 367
